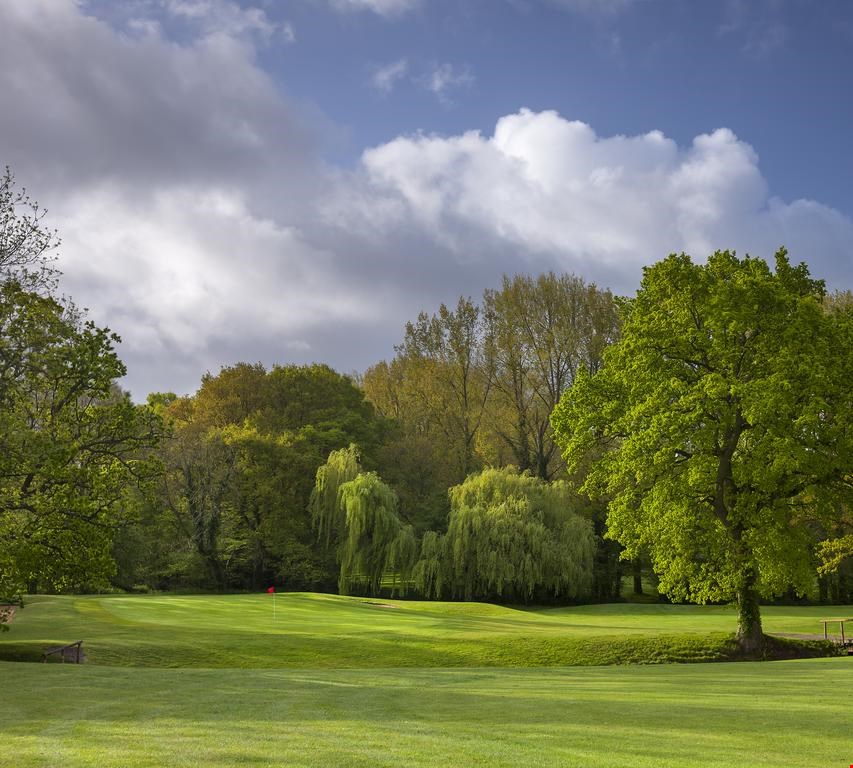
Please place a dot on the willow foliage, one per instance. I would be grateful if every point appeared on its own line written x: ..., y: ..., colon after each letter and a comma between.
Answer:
x: 327, y: 515
x: 510, y: 535
x: 374, y: 541
x: 428, y: 572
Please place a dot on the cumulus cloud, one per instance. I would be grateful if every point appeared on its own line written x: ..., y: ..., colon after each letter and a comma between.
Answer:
x: 384, y: 79
x: 551, y: 187
x: 201, y: 223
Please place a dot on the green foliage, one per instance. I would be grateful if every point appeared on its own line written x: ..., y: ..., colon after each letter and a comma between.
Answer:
x: 327, y: 514
x: 450, y: 377
x: 374, y: 542
x: 71, y: 443
x: 475, y: 385
x: 510, y: 536
x: 428, y: 571
x: 239, y: 473
x: 540, y: 332
x: 718, y: 427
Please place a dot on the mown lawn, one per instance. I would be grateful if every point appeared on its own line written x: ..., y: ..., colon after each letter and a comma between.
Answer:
x: 793, y: 714
x: 216, y: 682
x: 327, y: 631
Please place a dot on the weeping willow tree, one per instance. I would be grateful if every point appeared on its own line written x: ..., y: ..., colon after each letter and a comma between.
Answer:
x: 327, y: 515
x: 510, y: 536
x: 375, y: 542
x: 428, y: 572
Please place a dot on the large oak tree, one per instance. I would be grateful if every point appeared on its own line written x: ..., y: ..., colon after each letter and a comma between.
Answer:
x: 718, y: 428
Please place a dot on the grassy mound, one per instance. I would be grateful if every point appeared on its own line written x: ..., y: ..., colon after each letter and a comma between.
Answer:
x: 328, y: 631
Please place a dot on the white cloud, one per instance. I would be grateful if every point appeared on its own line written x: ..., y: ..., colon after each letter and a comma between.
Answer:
x: 545, y: 185
x: 381, y: 7
x: 228, y: 18
x: 443, y: 78
x: 385, y: 78
x: 200, y: 223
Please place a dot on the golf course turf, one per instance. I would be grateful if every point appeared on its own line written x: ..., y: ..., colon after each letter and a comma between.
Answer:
x: 216, y: 681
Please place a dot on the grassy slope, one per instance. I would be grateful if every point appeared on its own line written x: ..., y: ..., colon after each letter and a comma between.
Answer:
x: 326, y: 631
x: 244, y: 711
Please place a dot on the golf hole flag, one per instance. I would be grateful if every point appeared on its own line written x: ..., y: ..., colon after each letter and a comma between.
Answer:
x: 271, y: 591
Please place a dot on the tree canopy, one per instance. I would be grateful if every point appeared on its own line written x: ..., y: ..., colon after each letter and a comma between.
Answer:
x: 355, y: 513
x: 71, y: 443
x: 510, y: 536
x: 718, y: 427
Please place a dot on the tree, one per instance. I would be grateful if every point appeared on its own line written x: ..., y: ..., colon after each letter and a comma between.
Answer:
x: 25, y: 244
x: 71, y: 443
x: 240, y: 465
x: 541, y: 331
x: 415, y: 457
x: 356, y: 513
x: 327, y: 515
x: 511, y: 536
x: 718, y: 428
x: 375, y: 542
x: 446, y: 362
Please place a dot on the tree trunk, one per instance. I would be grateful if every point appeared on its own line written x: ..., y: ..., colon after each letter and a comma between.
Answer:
x: 749, y: 634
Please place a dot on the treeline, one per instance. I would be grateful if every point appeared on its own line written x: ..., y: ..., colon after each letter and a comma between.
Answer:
x: 705, y: 422
x: 394, y: 459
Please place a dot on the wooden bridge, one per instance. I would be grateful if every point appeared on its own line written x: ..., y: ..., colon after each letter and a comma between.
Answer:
x: 845, y: 641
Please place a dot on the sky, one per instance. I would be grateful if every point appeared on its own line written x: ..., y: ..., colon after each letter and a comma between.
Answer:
x: 291, y: 181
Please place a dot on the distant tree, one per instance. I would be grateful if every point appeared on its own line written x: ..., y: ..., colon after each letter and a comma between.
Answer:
x: 541, y: 332
x: 375, y: 543
x: 511, y: 536
x: 448, y: 372
x: 718, y: 428
x: 416, y: 457
x: 355, y: 513
x: 239, y: 469
x: 25, y: 243
x: 327, y: 514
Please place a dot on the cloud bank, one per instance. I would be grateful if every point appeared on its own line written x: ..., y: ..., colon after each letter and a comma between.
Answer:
x: 200, y: 221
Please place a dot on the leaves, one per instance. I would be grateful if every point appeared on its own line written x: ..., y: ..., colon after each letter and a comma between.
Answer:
x: 510, y: 536
x: 716, y: 427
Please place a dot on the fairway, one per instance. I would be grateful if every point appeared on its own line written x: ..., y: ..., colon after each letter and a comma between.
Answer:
x: 330, y: 631
x: 336, y: 681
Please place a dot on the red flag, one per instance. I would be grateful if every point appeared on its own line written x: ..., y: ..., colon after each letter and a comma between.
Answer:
x: 270, y: 590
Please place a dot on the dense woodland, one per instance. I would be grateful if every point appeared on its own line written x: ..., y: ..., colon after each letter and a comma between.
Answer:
x: 539, y: 443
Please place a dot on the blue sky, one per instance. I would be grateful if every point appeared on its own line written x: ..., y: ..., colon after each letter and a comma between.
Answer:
x: 292, y: 181
x: 778, y: 73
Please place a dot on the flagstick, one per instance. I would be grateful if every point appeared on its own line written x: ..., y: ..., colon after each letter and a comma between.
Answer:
x: 273, y: 606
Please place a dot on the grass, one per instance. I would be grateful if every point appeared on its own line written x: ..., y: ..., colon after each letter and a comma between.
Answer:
x: 349, y: 682
x: 328, y: 631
